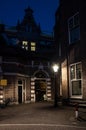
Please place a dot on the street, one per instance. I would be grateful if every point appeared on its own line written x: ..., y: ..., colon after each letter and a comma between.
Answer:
x: 39, y: 116
x: 39, y: 127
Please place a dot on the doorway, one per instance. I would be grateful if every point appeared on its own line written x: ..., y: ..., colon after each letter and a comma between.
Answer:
x: 19, y: 94
x: 40, y: 90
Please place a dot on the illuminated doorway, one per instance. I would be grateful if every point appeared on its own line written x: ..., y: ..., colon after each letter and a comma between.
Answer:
x: 40, y: 86
x: 40, y: 90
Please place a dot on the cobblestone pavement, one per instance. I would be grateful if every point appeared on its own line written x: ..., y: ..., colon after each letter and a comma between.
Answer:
x: 41, y: 116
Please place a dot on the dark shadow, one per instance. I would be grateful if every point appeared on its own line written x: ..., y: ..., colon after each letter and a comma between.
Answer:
x: 81, y: 119
x: 48, y: 106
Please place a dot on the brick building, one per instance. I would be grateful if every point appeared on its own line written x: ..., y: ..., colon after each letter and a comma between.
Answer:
x: 25, y: 58
x: 70, y: 39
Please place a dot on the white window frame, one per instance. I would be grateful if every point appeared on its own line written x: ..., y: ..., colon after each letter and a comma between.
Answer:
x: 75, y: 79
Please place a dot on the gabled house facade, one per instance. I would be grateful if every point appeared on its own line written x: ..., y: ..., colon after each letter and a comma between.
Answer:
x: 70, y: 39
x: 25, y: 61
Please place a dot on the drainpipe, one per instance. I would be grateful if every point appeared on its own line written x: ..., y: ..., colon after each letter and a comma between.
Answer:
x: 68, y: 74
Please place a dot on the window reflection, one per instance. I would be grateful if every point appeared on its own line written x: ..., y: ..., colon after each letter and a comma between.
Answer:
x: 76, y: 79
x: 78, y: 71
x: 72, y: 72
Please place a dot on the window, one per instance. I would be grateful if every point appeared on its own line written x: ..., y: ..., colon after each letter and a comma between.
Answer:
x: 42, y: 42
x: 33, y: 46
x: 19, y: 81
x: 74, y: 28
x: 14, y: 41
x: 76, y: 80
x: 25, y: 45
x: 28, y: 28
x: 49, y: 43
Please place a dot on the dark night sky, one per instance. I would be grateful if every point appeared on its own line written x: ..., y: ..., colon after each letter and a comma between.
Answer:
x: 44, y: 12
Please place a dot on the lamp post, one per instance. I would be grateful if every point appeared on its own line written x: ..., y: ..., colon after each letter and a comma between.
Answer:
x: 55, y: 69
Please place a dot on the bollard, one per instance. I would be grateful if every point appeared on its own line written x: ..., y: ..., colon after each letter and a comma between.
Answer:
x: 76, y: 111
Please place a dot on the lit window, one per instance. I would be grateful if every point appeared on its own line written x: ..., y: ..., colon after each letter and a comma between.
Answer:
x: 33, y: 46
x: 25, y: 45
x: 75, y: 79
x: 74, y: 28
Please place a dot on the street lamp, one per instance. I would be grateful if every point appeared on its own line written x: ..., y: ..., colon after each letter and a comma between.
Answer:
x: 55, y: 69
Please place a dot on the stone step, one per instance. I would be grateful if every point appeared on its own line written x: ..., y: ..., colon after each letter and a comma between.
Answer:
x: 80, y: 103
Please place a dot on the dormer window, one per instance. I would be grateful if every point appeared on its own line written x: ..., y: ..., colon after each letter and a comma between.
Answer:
x: 25, y: 45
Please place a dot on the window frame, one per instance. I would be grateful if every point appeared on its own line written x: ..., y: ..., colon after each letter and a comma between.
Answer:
x: 25, y: 45
x: 74, y: 26
x: 75, y: 80
x: 33, y: 46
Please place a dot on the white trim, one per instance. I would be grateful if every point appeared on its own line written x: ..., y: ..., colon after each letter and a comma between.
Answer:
x: 47, y: 75
x: 48, y: 88
x: 75, y: 96
x: 32, y: 91
x: 75, y: 63
x: 23, y: 85
x: 15, y: 74
x: 32, y: 87
x: 40, y: 78
x: 48, y: 94
x: 25, y: 89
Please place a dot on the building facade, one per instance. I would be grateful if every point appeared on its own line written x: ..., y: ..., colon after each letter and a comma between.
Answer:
x: 70, y: 39
x: 25, y: 59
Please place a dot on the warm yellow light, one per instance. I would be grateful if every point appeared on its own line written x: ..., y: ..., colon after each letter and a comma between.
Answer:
x: 25, y: 43
x: 55, y: 68
x: 33, y: 43
x: 3, y: 82
x: 33, y: 46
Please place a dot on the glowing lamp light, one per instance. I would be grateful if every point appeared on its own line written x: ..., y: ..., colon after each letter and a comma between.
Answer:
x: 55, y: 68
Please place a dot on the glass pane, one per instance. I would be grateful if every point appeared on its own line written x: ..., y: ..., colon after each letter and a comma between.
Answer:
x: 78, y: 71
x: 19, y: 81
x: 42, y: 42
x: 76, y: 87
x: 25, y: 43
x: 71, y: 23
x: 76, y: 20
x: 33, y: 48
x: 74, y: 35
x: 33, y: 44
x: 72, y: 72
x: 26, y: 48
